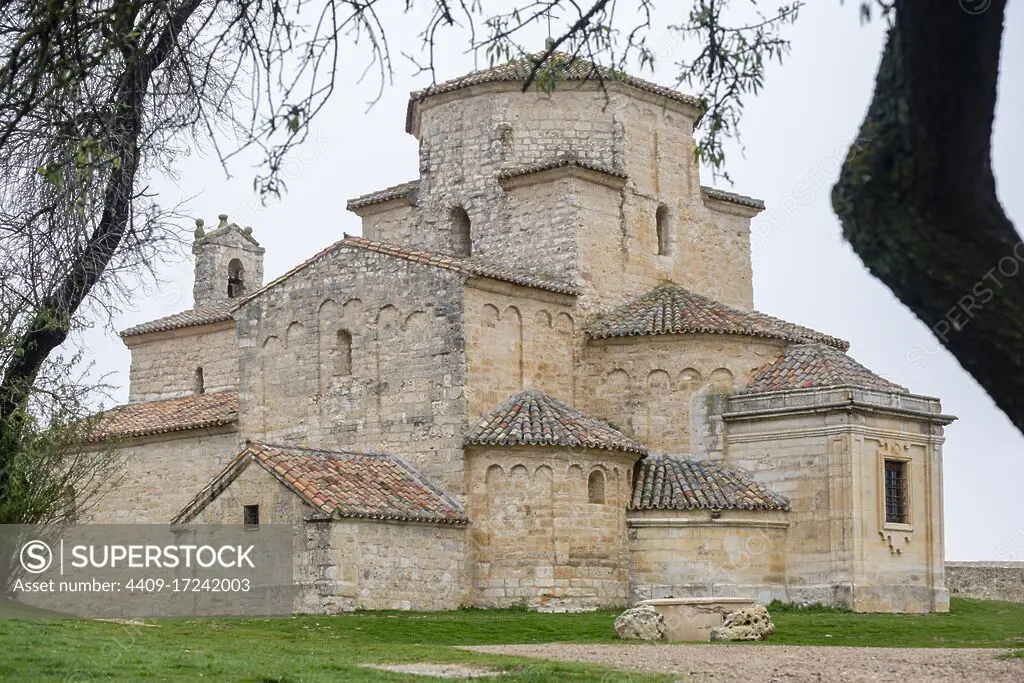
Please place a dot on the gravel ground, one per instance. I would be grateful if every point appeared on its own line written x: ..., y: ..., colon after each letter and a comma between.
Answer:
x: 785, y: 663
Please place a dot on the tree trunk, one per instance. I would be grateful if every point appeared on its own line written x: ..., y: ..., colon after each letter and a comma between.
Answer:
x: 917, y: 197
x: 49, y: 327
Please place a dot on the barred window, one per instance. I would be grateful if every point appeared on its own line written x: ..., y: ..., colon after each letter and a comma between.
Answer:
x: 896, y: 492
x: 251, y: 515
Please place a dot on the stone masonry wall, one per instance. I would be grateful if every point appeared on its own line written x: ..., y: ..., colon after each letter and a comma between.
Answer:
x: 159, y: 477
x: 536, y: 537
x: 164, y: 364
x: 346, y: 564
x: 986, y: 580
x: 470, y: 138
x: 828, y: 462
x: 683, y: 554
x: 898, y: 567
x: 402, y: 388
x: 516, y: 342
x: 408, y: 566
x: 646, y: 385
x: 807, y: 459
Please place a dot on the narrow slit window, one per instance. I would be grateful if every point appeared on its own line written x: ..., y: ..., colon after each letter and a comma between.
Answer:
x: 343, y: 354
x: 661, y: 220
x: 896, y: 492
x: 595, y: 487
x: 251, y: 515
x: 462, y: 242
x: 198, y: 382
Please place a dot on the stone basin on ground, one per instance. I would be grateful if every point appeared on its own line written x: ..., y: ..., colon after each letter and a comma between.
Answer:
x: 691, y: 619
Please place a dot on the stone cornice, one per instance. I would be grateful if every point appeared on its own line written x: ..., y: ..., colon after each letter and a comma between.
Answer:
x: 810, y: 401
x: 557, y: 170
x: 834, y: 430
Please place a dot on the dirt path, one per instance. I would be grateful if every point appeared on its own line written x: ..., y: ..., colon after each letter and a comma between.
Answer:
x: 785, y: 663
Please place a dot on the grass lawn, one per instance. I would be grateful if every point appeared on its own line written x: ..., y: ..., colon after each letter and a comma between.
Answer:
x: 313, y: 649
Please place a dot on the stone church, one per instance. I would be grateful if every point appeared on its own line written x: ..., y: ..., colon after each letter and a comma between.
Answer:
x: 536, y: 377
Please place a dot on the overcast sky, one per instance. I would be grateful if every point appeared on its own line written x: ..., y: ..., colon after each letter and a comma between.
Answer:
x: 795, y: 133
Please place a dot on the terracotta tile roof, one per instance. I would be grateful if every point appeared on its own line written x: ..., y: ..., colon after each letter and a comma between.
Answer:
x: 667, y: 482
x: 169, y: 415
x: 816, y: 365
x: 193, y: 316
x: 559, y: 163
x: 560, y: 65
x: 407, y: 189
x: 464, y: 265
x: 533, y: 418
x: 339, y: 484
x: 670, y: 309
x: 722, y: 195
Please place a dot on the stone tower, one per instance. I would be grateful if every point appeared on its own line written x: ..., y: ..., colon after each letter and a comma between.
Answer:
x: 229, y: 263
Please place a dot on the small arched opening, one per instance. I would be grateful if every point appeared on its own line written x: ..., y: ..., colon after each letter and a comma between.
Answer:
x: 236, y: 279
x: 343, y: 354
x: 595, y: 487
x: 661, y: 221
x: 462, y: 243
x: 198, y: 382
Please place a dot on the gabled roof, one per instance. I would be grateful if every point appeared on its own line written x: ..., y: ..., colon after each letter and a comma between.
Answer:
x: 470, y: 266
x: 534, y: 418
x: 805, y: 366
x: 339, y: 484
x: 670, y: 309
x: 465, y: 265
x: 667, y: 482
x: 559, y: 66
x: 168, y: 415
x: 189, y: 318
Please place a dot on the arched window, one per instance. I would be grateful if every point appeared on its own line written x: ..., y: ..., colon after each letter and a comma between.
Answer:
x: 198, y: 384
x: 236, y: 279
x: 343, y: 354
x: 595, y: 487
x: 661, y: 219
x: 462, y: 243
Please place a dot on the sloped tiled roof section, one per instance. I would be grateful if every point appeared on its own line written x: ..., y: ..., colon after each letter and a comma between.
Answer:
x: 464, y: 265
x: 670, y: 309
x: 666, y: 482
x: 197, y: 411
x: 189, y: 318
x: 724, y: 196
x: 534, y: 418
x: 407, y: 189
x: 339, y: 484
x: 806, y: 366
x: 559, y: 66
